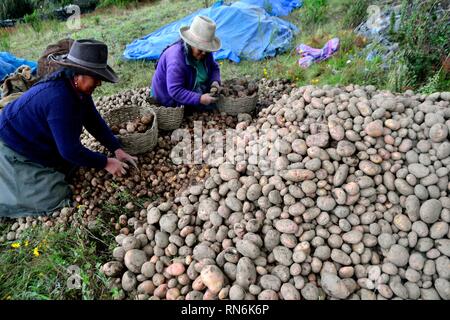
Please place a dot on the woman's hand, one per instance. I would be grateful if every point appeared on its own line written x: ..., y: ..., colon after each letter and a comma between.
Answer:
x: 207, y: 99
x: 116, y: 167
x: 125, y: 157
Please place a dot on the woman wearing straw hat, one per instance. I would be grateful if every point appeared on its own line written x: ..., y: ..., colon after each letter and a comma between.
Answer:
x: 186, y: 70
x: 40, y: 134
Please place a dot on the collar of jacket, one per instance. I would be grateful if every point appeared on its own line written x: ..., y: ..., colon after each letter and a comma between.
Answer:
x: 189, y: 58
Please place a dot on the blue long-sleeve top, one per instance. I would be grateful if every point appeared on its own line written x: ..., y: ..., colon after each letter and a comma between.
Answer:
x: 46, y: 122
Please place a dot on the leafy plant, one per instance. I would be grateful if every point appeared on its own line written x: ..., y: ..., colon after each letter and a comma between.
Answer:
x: 432, y: 84
x: 34, y: 20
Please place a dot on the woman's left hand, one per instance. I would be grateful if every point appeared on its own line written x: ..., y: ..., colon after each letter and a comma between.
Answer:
x: 125, y: 157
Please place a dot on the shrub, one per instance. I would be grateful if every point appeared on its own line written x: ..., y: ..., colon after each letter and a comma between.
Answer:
x: 423, y: 36
x: 14, y: 9
x: 34, y: 20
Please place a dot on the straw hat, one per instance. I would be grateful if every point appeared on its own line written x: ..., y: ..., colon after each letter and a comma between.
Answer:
x: 88, y: 57
x: 201, y: 34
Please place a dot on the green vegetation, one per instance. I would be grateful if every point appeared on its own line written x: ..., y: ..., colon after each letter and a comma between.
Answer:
x: 48, y: 265
x: 5, y: 43
x: 356, y: 14
x: 424, y: 42
x: 314, y: 12
x: 118, y: 3
x: 13, y: 9
x: 34, y: 21
x: 318, y: 21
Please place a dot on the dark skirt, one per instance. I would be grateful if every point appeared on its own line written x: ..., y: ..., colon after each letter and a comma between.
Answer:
x: 28, y: 188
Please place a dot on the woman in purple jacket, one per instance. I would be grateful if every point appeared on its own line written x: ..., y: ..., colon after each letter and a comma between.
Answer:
x: 186, y: 71
x: 40, y: 134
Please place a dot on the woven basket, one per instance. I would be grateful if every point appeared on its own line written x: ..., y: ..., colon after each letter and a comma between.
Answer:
x: 135, y: 143
x: 169, y: 118
x: 233, y: 106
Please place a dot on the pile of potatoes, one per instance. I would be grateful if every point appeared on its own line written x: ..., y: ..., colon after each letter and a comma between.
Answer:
x: 138, y: 125
x: 344, y: 194
x: 238, y: 88
x: 346, y: 198
x: 157, y: 177
x: 155, y: 164
x: 272, y: 90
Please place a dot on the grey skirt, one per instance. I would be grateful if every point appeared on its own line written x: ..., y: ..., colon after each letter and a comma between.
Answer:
x: 28, y: 188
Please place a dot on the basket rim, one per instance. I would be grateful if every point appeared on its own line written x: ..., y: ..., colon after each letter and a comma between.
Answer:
x: 135, y: 134
x: 153, y: 106
x: 239, y: 98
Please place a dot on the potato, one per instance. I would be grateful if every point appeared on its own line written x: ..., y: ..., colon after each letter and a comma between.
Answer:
x: 176, y: 269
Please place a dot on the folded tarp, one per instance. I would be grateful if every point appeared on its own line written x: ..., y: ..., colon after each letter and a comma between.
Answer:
x: 278, y: 8
x: 246, y: 32
x: 9, y: 63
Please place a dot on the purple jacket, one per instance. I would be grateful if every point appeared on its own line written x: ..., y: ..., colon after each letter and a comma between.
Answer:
x: 174, y: 78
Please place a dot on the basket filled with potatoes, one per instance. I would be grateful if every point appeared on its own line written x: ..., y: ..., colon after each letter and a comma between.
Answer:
x: 237, y: 96
x: 135, y: 127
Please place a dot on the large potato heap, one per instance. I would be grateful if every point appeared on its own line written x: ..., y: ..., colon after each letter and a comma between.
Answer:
x: 354, y: 204
x: 157, y: 175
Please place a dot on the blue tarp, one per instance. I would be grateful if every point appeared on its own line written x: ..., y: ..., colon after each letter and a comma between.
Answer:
x: 246, y: 31
x: 278, y: 8
x: 9, y: 63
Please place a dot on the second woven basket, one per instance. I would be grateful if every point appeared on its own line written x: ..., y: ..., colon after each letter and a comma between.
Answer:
x: 233, y: 106
x: 135, y: 143
x: 169, y: 118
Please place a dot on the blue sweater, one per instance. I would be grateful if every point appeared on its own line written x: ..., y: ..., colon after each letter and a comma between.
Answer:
x: 45, y: 124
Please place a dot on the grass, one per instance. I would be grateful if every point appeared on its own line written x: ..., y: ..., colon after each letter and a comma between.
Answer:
x: 345, y: 67
x: 5, y: 43
x: 45, y: 274
x: 319, y: 21
x: 39, y: 266
x: 124, y: 196
x: 116, y: 26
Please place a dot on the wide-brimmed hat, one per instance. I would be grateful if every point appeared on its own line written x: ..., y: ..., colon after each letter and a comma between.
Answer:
x: 88, y: 57
x: 201, y: 34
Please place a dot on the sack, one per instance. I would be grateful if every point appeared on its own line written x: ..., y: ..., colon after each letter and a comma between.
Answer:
x: 9, y: 99
x: 16, y: 84
x: 44, y: 65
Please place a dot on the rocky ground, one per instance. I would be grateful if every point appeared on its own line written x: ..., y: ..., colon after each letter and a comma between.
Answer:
x: 344, y: 194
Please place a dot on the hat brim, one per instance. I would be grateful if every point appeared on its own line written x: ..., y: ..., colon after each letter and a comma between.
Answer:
x: 212, y: 46
x: 105, y: 74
